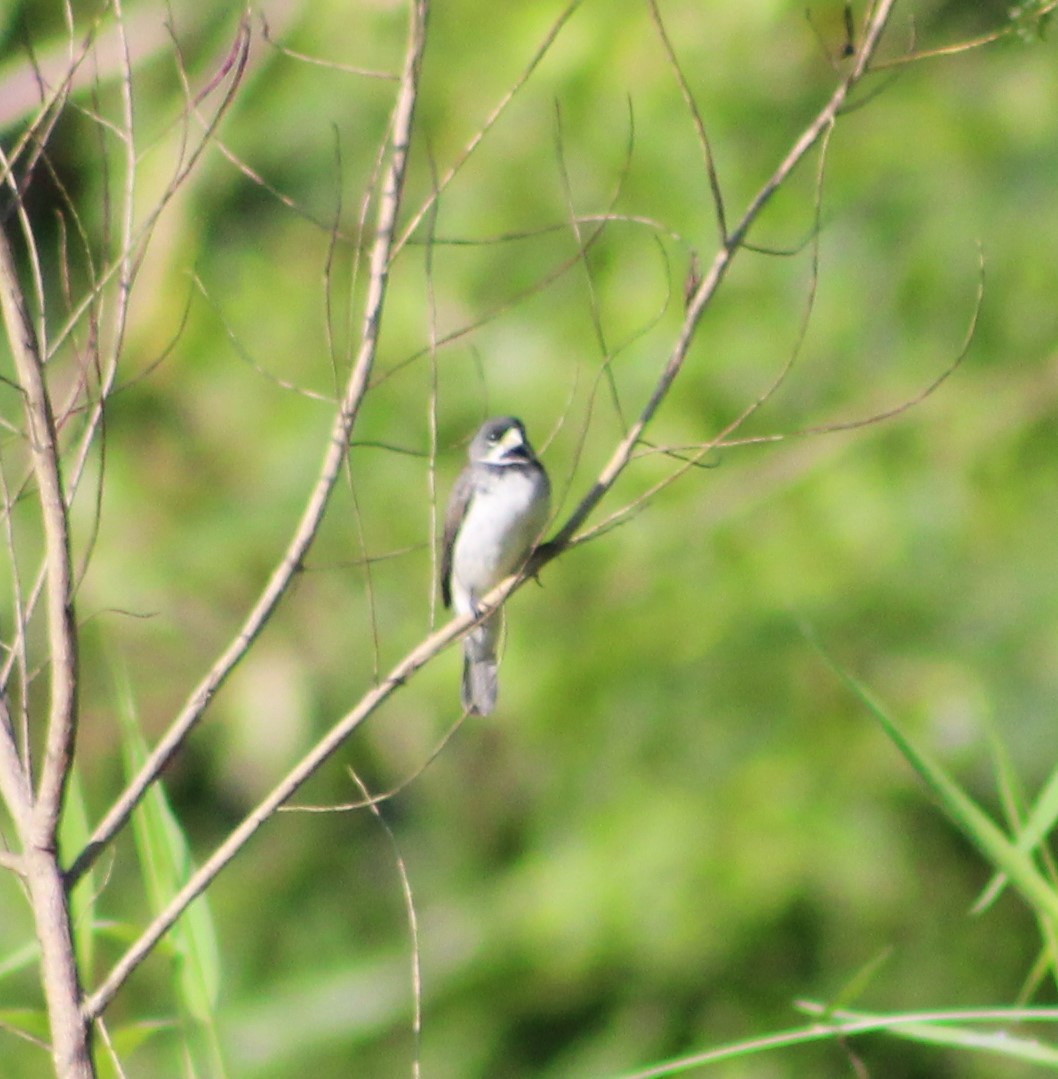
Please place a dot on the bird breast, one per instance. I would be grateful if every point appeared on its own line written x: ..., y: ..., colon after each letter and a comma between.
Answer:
x: 506, y: 515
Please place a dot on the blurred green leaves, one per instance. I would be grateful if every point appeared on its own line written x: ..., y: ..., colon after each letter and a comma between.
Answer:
x: 682, y: 822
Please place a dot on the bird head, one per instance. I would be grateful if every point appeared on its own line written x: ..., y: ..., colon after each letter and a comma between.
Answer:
x: 501, y: 441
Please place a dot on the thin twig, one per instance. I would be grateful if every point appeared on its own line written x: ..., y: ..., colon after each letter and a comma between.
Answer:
x: 915, y: 56
x: 184, y: 169
x: 693, y: 455
x: 490, y: 121
x: 389, y: 792
x: 699, y: 123
x: 330, y: 65
x: 583, y: 246
x: 413, y: 922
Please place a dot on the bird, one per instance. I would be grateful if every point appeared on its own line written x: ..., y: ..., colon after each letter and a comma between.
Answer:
x: 497, y: 511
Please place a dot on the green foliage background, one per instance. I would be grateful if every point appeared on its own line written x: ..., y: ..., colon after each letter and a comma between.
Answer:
x: 679, y: 823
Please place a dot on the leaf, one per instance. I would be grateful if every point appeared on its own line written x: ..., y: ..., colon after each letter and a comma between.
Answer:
x: 953, y: 1030
x: 974, y: 823
x: 1038, y: 825
x: 166, y: 864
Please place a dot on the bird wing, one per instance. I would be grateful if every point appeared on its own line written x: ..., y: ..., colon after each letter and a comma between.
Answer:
x: 458, y: 503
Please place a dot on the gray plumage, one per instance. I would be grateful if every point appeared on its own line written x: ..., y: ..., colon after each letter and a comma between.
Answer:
x: 498, y: 508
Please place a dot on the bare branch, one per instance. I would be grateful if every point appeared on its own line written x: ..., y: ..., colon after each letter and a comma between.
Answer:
x: 334, y: 456
x: 712, y: 279
x: 332, y: 65
x: 62, y: 629
x: 39, y: 822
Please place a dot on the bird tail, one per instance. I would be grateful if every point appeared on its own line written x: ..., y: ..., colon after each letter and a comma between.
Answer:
x: 480, y: 668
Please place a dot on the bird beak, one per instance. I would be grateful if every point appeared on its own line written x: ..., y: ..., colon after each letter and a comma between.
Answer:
x: 513, y: 446
x: 512, y: 439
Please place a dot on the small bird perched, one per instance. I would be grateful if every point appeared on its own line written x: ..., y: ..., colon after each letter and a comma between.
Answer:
x: 498, y: 508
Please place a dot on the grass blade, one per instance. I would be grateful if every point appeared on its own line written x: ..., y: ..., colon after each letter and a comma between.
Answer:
x: 166, y: 864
